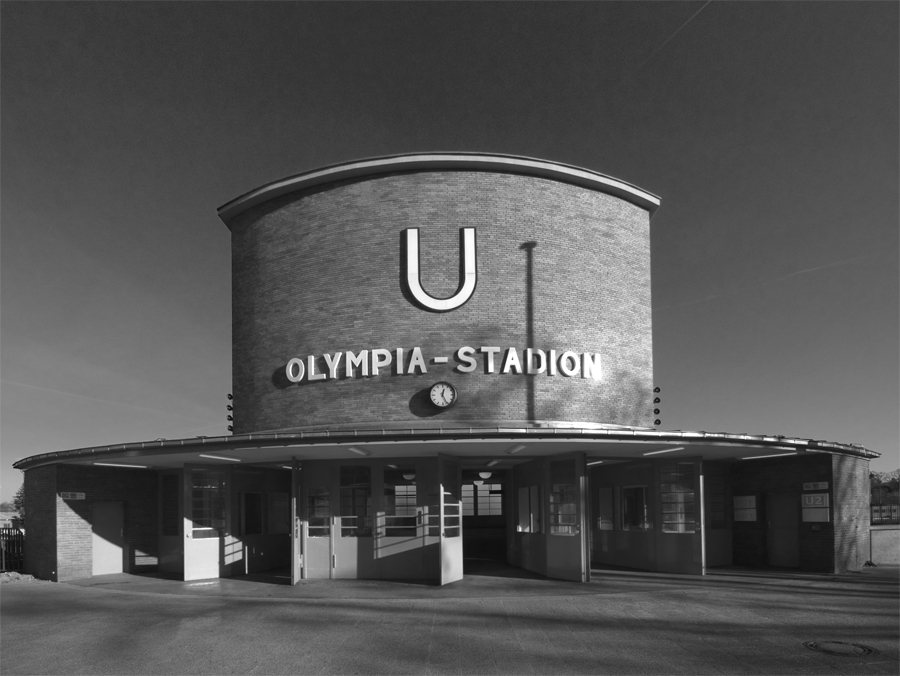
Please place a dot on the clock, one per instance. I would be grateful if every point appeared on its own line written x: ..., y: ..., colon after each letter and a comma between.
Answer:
x: 442, y: 394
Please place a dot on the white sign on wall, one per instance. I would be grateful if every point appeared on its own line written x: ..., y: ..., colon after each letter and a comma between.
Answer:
x: 815, y: 508
x: 815, y: 500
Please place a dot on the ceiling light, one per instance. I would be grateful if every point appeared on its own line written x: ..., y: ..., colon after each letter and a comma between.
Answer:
x: 219, y: 457
x: 115, y: 464
x: 393, y: 466
x: 409, y: 476
x: 595, y: 462
x: 358, y: 451
x: 484, y: 475
x: 478, y: 482
x: 520, y: 447
x: 492, y: 463
x: 665, y: 450
x: 778, y: 455
x: 287, y: 467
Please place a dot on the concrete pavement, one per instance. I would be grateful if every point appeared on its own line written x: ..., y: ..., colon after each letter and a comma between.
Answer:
x: 498, y: 621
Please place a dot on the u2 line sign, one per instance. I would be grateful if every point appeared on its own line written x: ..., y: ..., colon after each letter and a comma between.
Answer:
x: 403, y: 361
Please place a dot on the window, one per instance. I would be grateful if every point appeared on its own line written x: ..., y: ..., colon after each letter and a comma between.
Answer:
x: 715, y: 495
x: 452, y: 502
x: 484, y: 500
x: 634, y: 508
x: 207, y: 503
x: 530, y: 509
x: 400, y: 505
x: 677, y: 497
x: 563, y: 498
x: 605, y: 509
x: 356, y: 502
x: 563, y: 512
x: 318, y: 513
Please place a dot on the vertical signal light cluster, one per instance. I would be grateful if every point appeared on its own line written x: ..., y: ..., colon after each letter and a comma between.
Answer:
x: 230, y: 409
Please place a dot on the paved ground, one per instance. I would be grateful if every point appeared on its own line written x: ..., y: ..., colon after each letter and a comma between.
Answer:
x: 495, y: 622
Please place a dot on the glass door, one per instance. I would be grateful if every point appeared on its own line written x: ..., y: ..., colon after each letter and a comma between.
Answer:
x: 567, y: 533
x: 205, y: 520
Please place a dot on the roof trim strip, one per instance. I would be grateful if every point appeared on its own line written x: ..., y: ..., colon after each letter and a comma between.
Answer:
x: 442, y: 161
x: 136, y: 449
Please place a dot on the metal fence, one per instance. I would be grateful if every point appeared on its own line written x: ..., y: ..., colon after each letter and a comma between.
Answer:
x: 12, y: 549
x: 882, y: 514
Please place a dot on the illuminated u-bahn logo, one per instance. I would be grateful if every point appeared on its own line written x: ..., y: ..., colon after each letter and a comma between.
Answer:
x: 468, y: 273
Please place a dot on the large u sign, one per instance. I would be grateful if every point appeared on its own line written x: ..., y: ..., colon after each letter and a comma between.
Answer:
x: 468, y: 276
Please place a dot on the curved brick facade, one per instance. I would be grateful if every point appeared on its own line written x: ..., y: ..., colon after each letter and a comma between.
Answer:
x: 321, y: 270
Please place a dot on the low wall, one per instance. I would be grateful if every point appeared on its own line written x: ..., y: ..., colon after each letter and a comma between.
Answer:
x: 885, y: 543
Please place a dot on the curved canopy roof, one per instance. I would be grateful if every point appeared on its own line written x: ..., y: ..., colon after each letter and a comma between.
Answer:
x: 474, y: 445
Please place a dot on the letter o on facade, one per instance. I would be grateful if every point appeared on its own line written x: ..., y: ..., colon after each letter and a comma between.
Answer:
x: 564, y: 367
x: 295, y: 370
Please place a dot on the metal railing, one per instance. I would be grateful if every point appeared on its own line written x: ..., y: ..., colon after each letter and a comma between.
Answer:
x: 12, y: 550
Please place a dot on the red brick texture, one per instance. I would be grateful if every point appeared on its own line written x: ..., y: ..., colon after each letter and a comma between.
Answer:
x: 59, y: 546
x: 320, y: 271
x: 841, y: 544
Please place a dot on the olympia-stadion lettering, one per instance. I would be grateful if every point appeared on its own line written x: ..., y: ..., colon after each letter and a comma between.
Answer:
x: 371, y: 362
x: 348, y: 364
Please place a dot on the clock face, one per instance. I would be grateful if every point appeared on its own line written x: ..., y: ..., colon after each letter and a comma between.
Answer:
x: 443, y: 394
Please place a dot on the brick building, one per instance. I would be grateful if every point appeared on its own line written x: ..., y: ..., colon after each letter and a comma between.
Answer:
x: 440, y: 358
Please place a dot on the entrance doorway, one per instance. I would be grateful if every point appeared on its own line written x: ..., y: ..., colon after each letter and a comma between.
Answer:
x: 484, y: 516
x: 389, y: 518
x: 783, y: 529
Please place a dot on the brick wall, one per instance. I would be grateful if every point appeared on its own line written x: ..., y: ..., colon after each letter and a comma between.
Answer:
x: 40, y: 522
x: 60, y: 545
x: 851, y: 495
x: 320, y: 271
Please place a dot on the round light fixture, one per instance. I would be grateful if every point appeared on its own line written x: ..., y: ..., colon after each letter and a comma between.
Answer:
x: 409, y: 476
x: 478, y: 482
x: 484, y: 475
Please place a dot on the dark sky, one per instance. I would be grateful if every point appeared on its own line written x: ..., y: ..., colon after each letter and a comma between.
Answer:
x: 769, y: 130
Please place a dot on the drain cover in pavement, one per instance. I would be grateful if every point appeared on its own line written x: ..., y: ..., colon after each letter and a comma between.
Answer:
x: 840, y: 648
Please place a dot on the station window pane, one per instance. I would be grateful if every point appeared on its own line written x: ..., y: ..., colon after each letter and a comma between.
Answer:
x: 634, y: 508
x: 356, y: 502
x: 318, y: 512
x: 207, y: 503
x: 400, y: 502
x: 677, y: 498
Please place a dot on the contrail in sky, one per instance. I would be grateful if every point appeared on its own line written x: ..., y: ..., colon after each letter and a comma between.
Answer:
x: 103, y: 401
x: 756, y: 286
x: 668, y: 39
